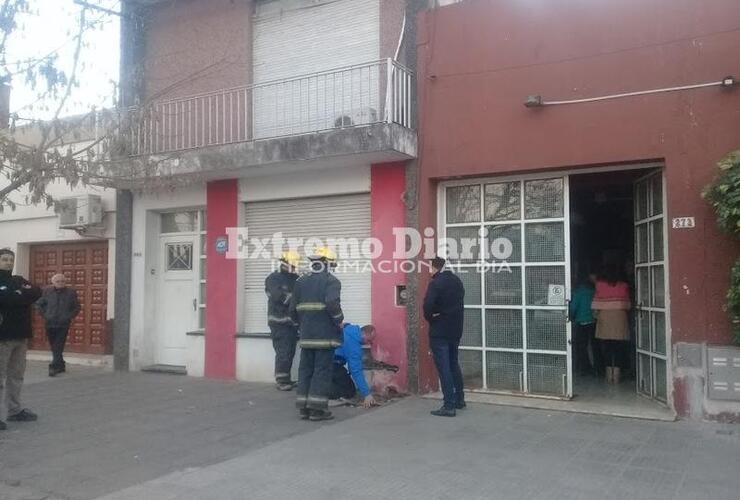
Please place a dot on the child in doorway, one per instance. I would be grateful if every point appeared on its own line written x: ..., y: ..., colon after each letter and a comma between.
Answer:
x: 582, y: 317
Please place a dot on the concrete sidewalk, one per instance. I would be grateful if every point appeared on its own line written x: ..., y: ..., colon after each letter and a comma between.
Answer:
x: 99, y: 432
x: 140, y: 436
x: 486, y: 453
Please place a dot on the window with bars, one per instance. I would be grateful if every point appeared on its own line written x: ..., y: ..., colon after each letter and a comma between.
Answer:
x: 515, y: 333
x: 651, y: 287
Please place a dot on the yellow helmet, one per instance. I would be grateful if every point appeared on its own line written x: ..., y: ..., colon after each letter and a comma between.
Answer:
x: 291, y: 257
x: 324, y: 253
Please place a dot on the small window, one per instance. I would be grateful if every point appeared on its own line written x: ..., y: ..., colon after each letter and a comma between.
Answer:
x: 180, y: 222
x: 179, y: 256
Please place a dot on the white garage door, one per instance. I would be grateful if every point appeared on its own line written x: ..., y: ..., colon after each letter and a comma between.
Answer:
x: 336, y: 217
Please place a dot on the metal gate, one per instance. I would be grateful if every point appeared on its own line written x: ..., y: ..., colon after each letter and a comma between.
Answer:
x: 650, y: 279
x: 517, y: 280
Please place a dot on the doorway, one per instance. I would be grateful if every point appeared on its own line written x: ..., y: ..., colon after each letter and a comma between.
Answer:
x: 181, y: 284
x: 518, y: 338
x: 85, y: 265
x: 617, y: 222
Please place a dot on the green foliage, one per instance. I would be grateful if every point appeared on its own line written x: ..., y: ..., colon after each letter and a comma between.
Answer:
x: 724, y: 193
x: 724, y: 196
x: 733, y: 300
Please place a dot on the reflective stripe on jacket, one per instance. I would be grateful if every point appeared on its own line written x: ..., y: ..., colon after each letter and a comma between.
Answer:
x: 316, y: 307
x: 279, y: 288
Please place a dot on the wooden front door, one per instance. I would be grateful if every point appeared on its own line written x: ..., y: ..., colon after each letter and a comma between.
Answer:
x: 86, y: 267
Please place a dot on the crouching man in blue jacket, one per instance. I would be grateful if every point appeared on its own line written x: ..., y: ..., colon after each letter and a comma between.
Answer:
x: 348, y: 377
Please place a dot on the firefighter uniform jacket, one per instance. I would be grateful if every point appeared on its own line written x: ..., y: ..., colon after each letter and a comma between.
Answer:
x: 279, y: 289
x: 316, y: 307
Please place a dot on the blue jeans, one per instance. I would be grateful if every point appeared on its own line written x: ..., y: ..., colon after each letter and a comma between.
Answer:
x: 448, y: 368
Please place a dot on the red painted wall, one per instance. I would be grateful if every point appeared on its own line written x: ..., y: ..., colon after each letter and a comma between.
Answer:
x: 222, y: 208
x: 387, y: 184
x: 478, y: 61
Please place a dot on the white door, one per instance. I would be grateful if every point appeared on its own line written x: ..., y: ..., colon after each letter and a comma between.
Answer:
x: 516, y: 336
x: 177, y: 308
x: 651, y: 288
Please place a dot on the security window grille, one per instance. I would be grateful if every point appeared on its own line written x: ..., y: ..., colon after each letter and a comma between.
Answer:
x: 651, y: 287
x: 179, y: 256
x: 516, y: 278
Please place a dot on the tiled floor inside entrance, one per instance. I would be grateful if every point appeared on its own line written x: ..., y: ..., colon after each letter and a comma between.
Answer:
x: 591, y: 395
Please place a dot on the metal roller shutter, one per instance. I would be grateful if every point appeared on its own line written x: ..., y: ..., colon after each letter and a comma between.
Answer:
x: 302, y: 37
x: 313, y: 36
x: 346, y: 216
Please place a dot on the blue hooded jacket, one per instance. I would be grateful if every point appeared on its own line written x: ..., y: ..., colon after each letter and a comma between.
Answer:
x: 350, y: 353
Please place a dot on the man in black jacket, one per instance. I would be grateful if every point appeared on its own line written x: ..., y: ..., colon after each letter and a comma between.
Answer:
x: 284, y: 332
x: 59, y: 305
x: 317, y: 309
x: 444, y: 310
x: 16, y: 297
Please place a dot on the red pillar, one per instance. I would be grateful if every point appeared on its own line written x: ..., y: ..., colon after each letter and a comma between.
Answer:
x: 387, y: 184
x: 222, y: 209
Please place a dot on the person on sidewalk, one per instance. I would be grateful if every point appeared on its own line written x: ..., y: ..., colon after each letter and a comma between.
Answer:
x: 316, y: 308
x: 16, y: 298
x: 611, y: 304
x: 348, y: 377
x: 284, y: 332
x: 444, y: 310
x: 59, y: 305
x: 581, y: 314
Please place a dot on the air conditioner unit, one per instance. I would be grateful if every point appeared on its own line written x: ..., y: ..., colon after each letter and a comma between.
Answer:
x: 360, y: 116
x: 79, y: 211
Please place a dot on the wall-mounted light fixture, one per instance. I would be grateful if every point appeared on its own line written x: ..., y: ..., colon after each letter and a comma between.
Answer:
x: 536, y: 101
x: 533, y: 101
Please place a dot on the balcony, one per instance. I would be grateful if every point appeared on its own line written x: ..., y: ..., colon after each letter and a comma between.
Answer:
x: 365, y: 108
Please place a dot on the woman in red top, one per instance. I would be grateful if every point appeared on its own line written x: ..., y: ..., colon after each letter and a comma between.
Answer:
x: 611, y: 303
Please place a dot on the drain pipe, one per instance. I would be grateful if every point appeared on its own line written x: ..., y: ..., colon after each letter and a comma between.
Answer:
x: 390, y: 69
x: 400, y: 37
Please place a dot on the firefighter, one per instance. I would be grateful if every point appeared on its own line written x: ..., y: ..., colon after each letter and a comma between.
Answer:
x: 316, y: 308
x: 284, y: 332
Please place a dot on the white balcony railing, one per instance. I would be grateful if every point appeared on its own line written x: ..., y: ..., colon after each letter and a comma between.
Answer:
x: 380, y: 91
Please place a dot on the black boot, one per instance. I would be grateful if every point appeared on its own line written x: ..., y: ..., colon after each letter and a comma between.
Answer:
x: 25, y: 415
x: 3, y: 425
x: 444, y: 412
x: 319, y: 415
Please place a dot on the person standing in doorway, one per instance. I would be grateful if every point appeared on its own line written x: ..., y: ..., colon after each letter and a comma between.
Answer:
x: 444, y: 311
x: 316, y: 308
x: 611, y: 304
x: 16, y: 298
x: 284, y: 332
x: 59, y: 305
x: 581, y: 314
